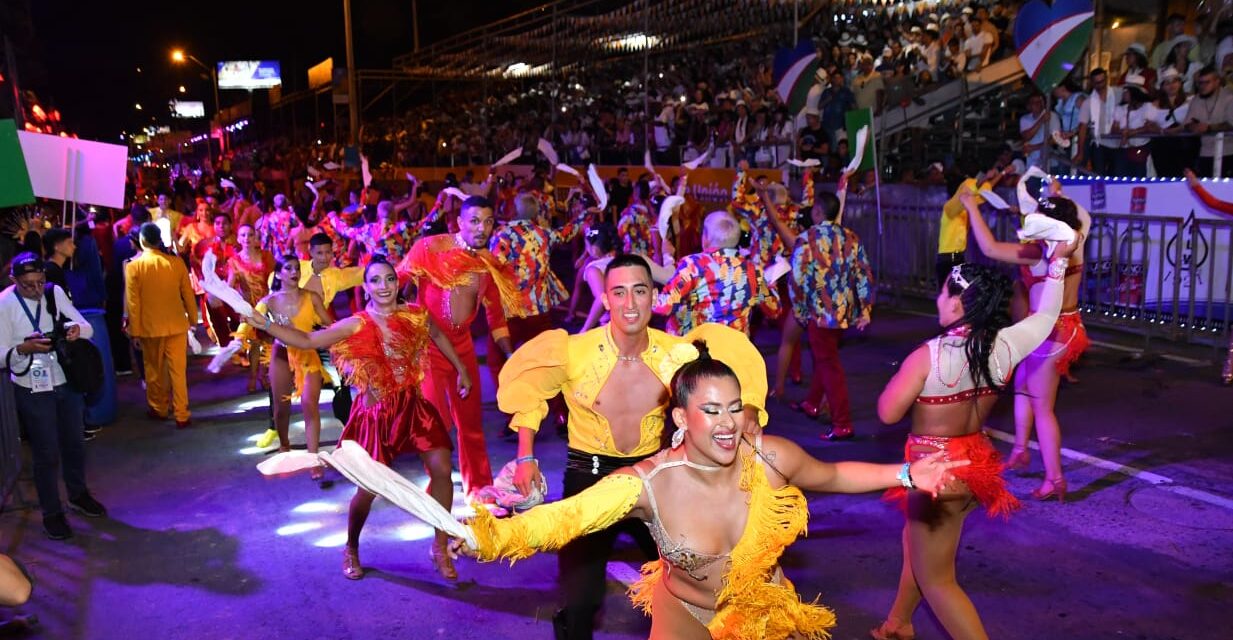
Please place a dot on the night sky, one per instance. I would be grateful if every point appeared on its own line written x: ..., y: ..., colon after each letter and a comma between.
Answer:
x: 92, y: 50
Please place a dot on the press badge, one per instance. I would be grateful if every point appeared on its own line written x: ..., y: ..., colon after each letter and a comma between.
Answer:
x: 40, y: 375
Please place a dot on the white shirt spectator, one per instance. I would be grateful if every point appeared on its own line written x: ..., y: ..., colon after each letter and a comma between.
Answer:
x: 974, y: 49
x: 1136, y: 119
x: 1167, y: 118
x: 1027, y: 121
x: 15, y: 325
x: 1098, y: 114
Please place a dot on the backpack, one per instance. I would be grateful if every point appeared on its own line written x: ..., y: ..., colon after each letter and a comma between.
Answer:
x: 79, y: 359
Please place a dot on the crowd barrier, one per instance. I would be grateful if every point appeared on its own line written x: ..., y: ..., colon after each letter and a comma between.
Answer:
x: 10, y: 443
x: 1157, y: 276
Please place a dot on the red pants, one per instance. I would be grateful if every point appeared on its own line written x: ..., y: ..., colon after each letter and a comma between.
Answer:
x: 221, y: 321
x: 440, y: 387
x: 828, y: 376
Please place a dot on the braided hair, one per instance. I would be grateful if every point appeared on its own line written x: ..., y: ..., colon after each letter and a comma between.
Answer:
x: 985, y: 294
x: 686, y: 379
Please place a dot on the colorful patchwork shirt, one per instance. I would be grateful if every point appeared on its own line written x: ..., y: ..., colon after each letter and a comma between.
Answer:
x: 720, y: 287
x: 525, y: 247
x: 275, y: 231
x: 392, y: 239
x: 634, y: 229
x: 832, y: 283
x: 765, y: 243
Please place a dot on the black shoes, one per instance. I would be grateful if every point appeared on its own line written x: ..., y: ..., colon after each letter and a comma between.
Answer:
x: 86, y: 505
x: 56, y: 527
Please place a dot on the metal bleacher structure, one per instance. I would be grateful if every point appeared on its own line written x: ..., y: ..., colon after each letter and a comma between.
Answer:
x: 563, y: 37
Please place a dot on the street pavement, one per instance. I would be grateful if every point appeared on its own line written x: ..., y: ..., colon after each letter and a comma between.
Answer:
x: 199, y: 545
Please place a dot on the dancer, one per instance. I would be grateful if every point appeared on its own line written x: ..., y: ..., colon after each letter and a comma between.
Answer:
x: 524, y: 245
x: 614, y: 380
x: 832, y: 290
x: 722, y: 507
x: 248, y: 271
x: 220, y: 319
x: 950, y: 385
x: 601, y: 244
x: 718, y: 285
x: 454, y: 275
x: 1036, y: 380
x: 295, y: 371
x: 1216, y: 204
x: 380, y: 351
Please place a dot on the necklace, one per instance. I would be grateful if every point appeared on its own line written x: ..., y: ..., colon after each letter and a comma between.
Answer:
x: 695, y: 465
x: 382, y: 314
x: 616, y: 351
x: 458, y: 241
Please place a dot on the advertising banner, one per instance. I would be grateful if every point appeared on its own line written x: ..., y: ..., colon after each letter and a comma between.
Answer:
x: 249, y: 74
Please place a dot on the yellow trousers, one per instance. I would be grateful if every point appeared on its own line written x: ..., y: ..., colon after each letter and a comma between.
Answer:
x: 166, y: 360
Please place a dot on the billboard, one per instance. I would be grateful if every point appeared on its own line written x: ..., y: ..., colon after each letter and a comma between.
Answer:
x: 249, y: 74
x: 321, y: 74
x: 187, y: 109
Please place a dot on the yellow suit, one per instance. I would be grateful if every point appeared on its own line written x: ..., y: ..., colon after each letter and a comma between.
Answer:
x: 161, y: 310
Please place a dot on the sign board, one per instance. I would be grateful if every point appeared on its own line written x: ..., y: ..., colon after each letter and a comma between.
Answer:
x: 187, y: 109
x: 249, y: 74
x: 15, y: 186
x: 75, y: 170
x: 321, y: 74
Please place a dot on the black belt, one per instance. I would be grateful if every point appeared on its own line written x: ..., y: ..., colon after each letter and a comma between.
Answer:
x: 598, y: 465
x: 952, y: 255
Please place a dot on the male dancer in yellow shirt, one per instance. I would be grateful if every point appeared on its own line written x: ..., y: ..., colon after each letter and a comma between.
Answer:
x: 614, y: 380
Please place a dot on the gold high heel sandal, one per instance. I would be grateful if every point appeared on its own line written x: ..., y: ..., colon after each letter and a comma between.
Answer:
x: 442, y: 562
x: 1020, y: 458
x: 1057, y: 487
x: 887, y: 631
x: 351, y: 564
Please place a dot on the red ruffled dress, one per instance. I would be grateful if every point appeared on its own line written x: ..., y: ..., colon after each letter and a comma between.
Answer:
x: 389, y: 416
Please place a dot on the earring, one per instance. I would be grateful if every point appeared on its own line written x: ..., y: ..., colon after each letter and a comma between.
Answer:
x: 678, y: 437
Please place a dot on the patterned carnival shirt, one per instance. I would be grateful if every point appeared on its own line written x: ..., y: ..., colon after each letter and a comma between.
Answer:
x: 634, y: 229
x: 525, y: 247
x: 721, y: 287
x: 832, y: 283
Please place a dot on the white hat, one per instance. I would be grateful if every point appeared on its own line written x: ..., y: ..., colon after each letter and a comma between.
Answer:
x: 933, y: 17
x: 227, y: 184
x: 914, y: 29
x: 1169, y: 73
x: 932, y: 26
x: 860, y: 39
x: 967, y: 11
x: 845, y: 39
x: 1136, y: 46
x: 936, y: 166
x: 811, y: 112
x: 821, y: 75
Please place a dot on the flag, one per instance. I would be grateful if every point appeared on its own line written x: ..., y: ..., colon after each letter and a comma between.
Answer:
x: 855, y: 120
x: 1050, y: 39
x: 794, y: 75
x: 15, y: 188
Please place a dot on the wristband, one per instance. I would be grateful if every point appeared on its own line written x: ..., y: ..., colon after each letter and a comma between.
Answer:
x: 905, y: 476
x: 1057, y: 268
x: 522, y: 459
x: 267, y: 324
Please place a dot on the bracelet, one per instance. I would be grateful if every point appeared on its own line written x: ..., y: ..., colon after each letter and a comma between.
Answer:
x: 522, y: 459
x: 267, y: 324
x: 905, y: 476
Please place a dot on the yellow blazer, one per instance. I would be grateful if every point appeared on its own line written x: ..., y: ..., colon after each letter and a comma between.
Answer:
x: 159, y: 296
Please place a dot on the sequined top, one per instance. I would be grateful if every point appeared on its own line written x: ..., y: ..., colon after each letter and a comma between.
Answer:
x: 676, y: 552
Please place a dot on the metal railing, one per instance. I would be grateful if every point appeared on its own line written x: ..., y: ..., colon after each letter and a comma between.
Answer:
x: 1157, y: 277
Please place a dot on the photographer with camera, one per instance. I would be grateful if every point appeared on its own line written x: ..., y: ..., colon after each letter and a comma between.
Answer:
x: 34, y: 318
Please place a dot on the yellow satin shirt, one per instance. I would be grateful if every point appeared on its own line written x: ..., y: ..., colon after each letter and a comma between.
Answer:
x: 333, y: 279
x: 953, y: 228
x: 578, y: 367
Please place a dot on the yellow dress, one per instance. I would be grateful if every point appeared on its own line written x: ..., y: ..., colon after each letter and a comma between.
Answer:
x: 750, y: 604
x: 301, y: 361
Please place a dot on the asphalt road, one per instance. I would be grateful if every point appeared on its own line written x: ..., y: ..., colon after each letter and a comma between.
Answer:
x: 199, y: 545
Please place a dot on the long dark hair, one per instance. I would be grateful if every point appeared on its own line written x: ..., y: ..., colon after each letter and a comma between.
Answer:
x: 686, y: 379
x: 986, y: 311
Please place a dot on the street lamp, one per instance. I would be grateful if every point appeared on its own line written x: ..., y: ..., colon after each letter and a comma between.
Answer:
x: 178, y: 56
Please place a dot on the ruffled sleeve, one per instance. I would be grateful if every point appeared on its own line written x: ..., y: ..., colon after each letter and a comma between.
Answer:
x: 550, y: 526
x: 734, y: 349
x: 532, y: 376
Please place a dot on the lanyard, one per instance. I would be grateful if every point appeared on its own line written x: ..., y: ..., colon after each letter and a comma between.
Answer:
x: 34, y: 317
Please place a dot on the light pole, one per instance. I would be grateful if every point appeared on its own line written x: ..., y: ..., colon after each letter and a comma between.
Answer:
x: 178, y: 56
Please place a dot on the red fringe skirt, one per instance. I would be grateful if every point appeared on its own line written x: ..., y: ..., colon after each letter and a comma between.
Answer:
x: 983, y: 476
x: 402, y: 422
x: 1069, y: 329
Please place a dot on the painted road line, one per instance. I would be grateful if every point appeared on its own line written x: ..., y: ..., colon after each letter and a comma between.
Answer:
x: 624, y: 573
x: 1155, y: 479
